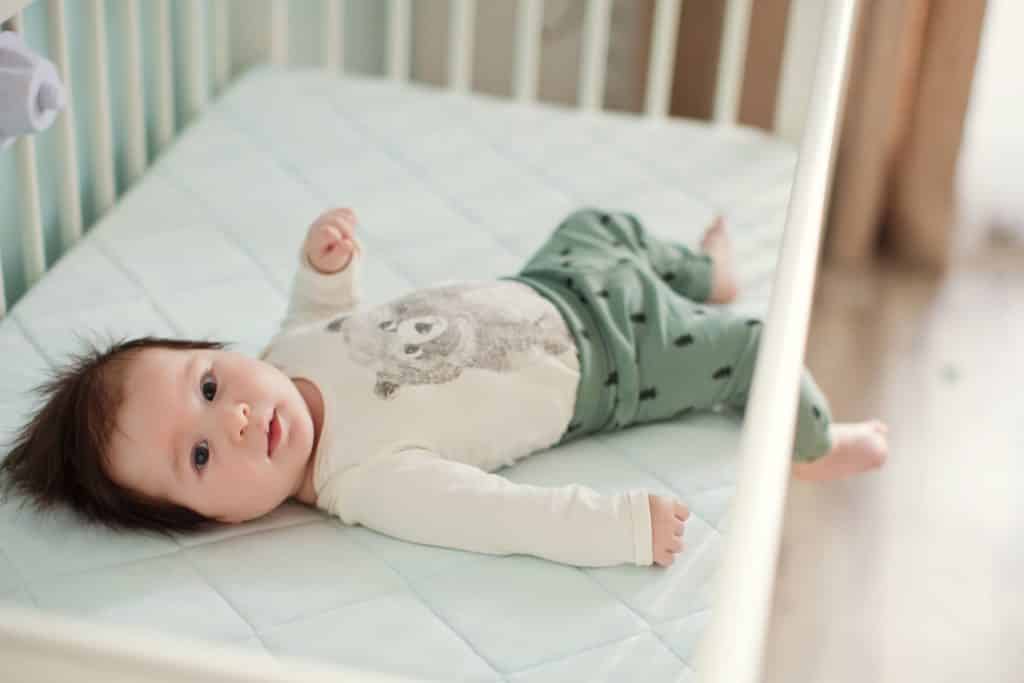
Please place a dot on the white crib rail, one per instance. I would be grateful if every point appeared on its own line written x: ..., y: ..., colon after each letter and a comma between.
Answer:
x: 279, y: 31
x: 663, y: 53
x: 594, y: 61
x: 333, y: 38
x: 460, y: 44
x: 529, y: 23
x: 731, y: 61
x: 70, y: 199
x: 732, y: 647
x: 399, y: 31
x: 32, y: 228
x: 57, y: 647
x: 221, y: 46
x: 197, y: 91
x: 134, y: 99
x: 164, y: 76
x: 103, y: 139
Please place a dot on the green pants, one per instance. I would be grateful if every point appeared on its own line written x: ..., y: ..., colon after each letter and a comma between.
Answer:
x: 648, y: 349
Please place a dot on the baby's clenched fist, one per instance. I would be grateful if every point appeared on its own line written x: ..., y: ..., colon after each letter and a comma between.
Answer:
x: 667, y: 519
x: 329, y: 245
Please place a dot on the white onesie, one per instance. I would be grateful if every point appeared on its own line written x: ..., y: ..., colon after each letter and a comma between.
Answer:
x: 427, y: 395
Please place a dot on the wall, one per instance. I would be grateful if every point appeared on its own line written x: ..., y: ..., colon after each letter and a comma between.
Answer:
x: 992, y: 158
x: 364, y: 21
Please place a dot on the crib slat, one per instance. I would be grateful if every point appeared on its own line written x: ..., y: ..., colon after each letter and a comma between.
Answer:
x: 462, y: 16
x: 663, y: 57
x: 103, y: 156
x: 732, y: 647
x: 593, y: 68
x: 732, y: 61
x: 164, y: 77
x: 67, y: 146
x: 134, y: 99
x: 791, y: 102
x: 398, y: 39
x: 3, y: 294
x: 529, y: 21
x: 31, y: 213
x: 333, y: 36
x: 279, y: 32
x: 197, y: 90
x: 221, y: 45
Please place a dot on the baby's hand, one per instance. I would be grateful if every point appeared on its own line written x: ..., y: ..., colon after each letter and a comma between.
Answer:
x: 667, y: 517
x: 329, y: 243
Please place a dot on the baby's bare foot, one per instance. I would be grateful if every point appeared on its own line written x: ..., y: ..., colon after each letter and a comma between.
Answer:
x: 717, y: 244
x: 856, y: 448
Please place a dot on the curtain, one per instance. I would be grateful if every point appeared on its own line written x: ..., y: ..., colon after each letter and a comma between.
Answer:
x: 903, y: 118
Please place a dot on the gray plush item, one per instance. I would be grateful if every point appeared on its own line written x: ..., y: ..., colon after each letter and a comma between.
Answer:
x: 31, y: 93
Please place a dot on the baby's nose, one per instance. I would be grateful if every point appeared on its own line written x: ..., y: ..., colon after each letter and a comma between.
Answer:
x: 239, y: 420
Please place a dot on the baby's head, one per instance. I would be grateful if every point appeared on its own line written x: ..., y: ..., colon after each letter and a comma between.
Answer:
x: 166, y: 434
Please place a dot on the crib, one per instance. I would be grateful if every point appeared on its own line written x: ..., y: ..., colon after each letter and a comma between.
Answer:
x: 451, y: 180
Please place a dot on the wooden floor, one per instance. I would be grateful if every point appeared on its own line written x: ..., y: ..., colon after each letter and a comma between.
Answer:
x: 913, y: 573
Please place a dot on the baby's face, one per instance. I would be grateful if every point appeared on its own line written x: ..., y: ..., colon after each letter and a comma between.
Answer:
x: 195, y: 427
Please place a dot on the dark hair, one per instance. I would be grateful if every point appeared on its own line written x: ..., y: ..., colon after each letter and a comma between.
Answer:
x: 59, y: 456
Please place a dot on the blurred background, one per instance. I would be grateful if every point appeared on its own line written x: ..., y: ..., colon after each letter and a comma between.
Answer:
x: 912, y: 573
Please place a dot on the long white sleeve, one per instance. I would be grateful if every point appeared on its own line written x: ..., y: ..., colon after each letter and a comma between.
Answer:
x: 316, y: 296
x: 418, y: 496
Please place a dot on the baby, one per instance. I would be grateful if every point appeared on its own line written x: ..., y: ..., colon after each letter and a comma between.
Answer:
x: 397, y: 417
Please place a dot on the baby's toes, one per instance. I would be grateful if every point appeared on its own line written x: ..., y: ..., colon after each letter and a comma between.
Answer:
x: 680, y: 511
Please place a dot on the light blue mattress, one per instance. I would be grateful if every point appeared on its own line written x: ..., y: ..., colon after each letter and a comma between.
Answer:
x: 446, y: 186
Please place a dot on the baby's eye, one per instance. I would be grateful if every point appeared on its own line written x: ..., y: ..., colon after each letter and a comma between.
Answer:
x: 208, y: 385
x: 200, y: 455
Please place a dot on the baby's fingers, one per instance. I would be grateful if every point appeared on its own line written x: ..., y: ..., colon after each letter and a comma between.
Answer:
x: 345, y: 219
x: 336, y: 245
x: 329, y: 232
x: 328, y: 250
x: 330, y: 236
x: 343, y: 212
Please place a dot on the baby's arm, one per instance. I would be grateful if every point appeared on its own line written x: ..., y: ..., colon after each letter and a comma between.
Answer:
x: 326, y: 282
x: 418, y: 496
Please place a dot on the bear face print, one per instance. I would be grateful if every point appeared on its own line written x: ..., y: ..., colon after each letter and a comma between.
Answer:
x: 431, y: 336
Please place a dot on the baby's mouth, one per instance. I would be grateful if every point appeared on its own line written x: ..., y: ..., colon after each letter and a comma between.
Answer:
x: 273, y: 434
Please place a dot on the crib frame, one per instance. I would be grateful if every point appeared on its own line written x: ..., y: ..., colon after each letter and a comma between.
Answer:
x: 39, y: 646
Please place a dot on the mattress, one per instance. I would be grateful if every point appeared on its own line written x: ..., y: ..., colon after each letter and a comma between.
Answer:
x: 446, y: 185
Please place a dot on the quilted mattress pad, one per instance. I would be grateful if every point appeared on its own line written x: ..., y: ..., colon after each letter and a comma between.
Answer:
x: 446, y: 186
